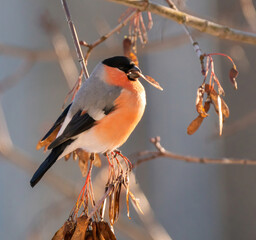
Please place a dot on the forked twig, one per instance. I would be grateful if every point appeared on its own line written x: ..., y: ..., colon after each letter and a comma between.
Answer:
x: 200, y: 24
x: 145, y: 156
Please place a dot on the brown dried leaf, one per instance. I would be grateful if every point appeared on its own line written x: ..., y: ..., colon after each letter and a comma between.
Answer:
x: 97, y: 161
x: 105, y: 231
x: 75, y: 155
x: 109, y: 231
x: 83, y: 160
x: 67, y: 156
x: 214, y: 99
x: 117, y: 201
x: 94, y: 231
x: 153, y: 82
x: 194, y: 125
x: 89, y: 236
x: 100, y: 229
x: 127, y: 200
x: 224, y: 106
x: 59, y: 235
x: 69, y: 228
x: 81, y: 227
x: 199, y: 102
x: 135, y: 201
x: 46, y: 142
x: 127, y: 48
x: 233, y: 73
x: 111, y: 209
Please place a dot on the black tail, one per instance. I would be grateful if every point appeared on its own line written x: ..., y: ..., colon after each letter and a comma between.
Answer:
x: 48, y: 162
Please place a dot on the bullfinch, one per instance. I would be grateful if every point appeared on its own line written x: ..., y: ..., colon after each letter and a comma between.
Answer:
x: 103, y: 114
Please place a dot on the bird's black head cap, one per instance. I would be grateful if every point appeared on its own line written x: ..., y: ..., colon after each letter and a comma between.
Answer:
x: 120, y: 62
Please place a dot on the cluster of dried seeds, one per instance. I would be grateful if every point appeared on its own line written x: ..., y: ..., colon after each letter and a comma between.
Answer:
x: 213, y: 97
x: 84, y: 229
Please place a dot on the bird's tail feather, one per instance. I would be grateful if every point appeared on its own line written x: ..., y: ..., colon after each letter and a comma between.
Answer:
x: 48, y: 162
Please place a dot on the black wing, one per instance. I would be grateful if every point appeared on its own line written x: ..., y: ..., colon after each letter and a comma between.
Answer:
x: 58, y: 122
x: 78, y: 124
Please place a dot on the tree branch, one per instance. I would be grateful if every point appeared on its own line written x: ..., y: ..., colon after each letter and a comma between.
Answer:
x: 162, y: 152
x: 75, y: 39
x: 200, y: 24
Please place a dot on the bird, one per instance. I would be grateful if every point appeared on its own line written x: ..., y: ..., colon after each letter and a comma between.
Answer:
x: 103, y: 114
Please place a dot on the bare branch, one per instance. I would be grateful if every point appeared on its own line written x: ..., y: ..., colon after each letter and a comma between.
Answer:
x: 200, y: 24
x: 75, y: 39
x: 162, y: 152
x: 106, y: 36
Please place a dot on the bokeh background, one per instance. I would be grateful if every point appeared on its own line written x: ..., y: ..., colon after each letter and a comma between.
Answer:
x: 189, y: 201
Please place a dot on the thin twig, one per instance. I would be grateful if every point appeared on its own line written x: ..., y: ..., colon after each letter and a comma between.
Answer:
x: 200, y: 24
x: 75, y: 39
x: 100, y: 202
x: 162, y: 152
x: 106, y: 36
x: 193, y: 42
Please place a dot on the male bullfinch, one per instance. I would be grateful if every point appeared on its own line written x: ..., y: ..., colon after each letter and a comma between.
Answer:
x: 103, y: 114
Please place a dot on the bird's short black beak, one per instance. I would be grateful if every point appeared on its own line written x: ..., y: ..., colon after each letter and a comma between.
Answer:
x: 134, y: 73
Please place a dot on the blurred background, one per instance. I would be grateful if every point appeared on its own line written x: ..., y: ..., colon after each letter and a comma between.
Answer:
x: 181, y: 201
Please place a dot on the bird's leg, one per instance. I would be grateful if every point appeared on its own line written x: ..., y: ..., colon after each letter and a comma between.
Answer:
x: 84, y: 192
x: 127, y: 161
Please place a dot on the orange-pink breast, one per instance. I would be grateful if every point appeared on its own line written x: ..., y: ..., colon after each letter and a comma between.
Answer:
x: 114, y: 129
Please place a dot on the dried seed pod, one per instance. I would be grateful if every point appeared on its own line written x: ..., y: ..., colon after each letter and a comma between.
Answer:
x: 83, y: 161
x: 199, y: 102
x: 109, y: 231
x: 59, y: 235
x: 233, y: 73
x: 89, y: 237
x: 97, y: 161
x: 94, y: 231
x: 194, y: 125
x: 81, y: 227
x: 75, y: 155
x: 135, y: 201
x: 67, y: 156
x: 100, y: 229
x: 69, y: 228
x: 214, y: 99
x: 224, y: 106
x: 111, y: 210
x: 117, y: 201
